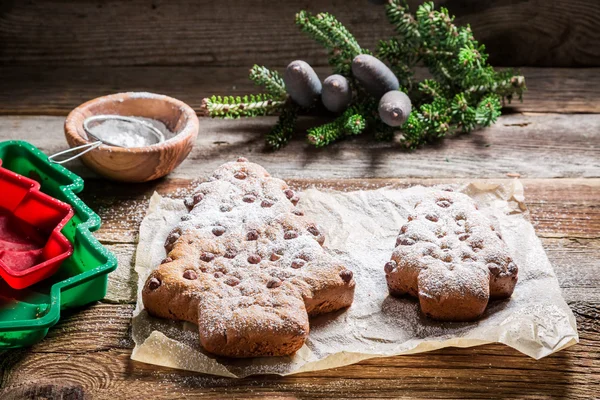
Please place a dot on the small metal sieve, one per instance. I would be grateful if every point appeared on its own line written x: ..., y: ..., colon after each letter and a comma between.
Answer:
x: 148, y: 133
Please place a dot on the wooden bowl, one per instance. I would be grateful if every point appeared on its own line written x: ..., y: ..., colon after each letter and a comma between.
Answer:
x: 137, y: 164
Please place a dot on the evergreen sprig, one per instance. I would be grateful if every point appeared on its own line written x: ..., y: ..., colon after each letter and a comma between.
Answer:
x: 330, y: 33
x: 463, y: 114
x: 463, y: 93
x: 351, y: 122
x: 488, y: 110
x: 282, y: 132
x: 270, y: 80
x: 242, y: 106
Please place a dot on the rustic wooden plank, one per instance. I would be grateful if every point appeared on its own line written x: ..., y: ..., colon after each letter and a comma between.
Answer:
x: 79, y: 356
x: 56, y: 91
x: 565, y: 146
x: 234, y: 33
x: 122, y: 283
x: 576, y: 263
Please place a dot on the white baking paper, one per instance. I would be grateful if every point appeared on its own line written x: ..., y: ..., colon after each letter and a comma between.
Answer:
x: 361, y: 229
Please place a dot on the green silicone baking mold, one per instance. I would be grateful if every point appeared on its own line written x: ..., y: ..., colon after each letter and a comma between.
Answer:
x: 26, y: 315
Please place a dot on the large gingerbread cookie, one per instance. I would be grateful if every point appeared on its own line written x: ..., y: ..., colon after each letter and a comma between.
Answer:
x: 451, y: 257
x: 247, y: 267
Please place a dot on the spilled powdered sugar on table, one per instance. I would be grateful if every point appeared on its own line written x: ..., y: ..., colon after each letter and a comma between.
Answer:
x: 361, y: 229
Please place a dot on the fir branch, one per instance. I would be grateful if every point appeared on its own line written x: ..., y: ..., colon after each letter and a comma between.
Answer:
x: 436, y: 27
x: 413, y: 129
x: 431, y: 88
x: 351, y: 122
x: 472, y: 57
x: 429, y: 122
x: 488, y: 110
x: 329, y: 32
x: 282, y: 132
x: 341, y: 36
x: 436, y: 118
x: 506, y: 84
x: 246, y: 106
x: 270, y: 80
x: 307, y: 24
x: 466, y: 90
x: 404, y: 23
x: 355, y: 124
x: 463, y: 115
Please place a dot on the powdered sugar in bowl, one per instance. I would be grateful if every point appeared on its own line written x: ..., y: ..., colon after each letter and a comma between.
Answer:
x: 173, y: 122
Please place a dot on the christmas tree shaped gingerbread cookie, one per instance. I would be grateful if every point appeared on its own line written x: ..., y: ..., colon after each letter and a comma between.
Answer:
x: 247, y: 266
x: 452, y: 258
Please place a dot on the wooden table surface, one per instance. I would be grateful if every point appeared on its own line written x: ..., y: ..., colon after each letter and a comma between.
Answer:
x: 552, y: 141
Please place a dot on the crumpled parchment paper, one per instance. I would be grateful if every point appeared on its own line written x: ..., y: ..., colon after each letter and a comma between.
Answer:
x: 361, y: 229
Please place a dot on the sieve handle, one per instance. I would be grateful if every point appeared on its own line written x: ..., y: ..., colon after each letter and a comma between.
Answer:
x: 87, y: 147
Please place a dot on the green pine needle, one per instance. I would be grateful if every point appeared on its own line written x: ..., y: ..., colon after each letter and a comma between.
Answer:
x: 307, y: 22
x: 282, y: 132
x: 384, y: 133
x: 330, y: 33
x: 270, y: 80
x: 488, y: 110
x: 348, y: 124
x: 404, y: 23
x: 463, y: 115
x: 465, y: 92
x: 354, y: 124
x: 245, y: 106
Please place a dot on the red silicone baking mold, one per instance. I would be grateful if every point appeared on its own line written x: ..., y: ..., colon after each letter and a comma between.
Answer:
x: 22, y: 201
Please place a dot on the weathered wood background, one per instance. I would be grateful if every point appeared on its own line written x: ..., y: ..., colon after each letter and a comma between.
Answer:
x: 557, y: 33
x: 56, y: 54
x: 27, y: 90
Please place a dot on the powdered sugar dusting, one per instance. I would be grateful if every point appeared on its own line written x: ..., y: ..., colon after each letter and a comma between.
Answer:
x: 450, y: 253
x: 250, y: 264
x: 362, y: 229
x: 128, y: 133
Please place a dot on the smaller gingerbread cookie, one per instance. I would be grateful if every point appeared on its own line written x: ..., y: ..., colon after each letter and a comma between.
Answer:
x: 452, y: 258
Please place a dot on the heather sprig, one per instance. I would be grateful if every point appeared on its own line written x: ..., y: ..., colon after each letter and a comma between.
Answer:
x: 330, y: 33
x: 282, y: 132
x: 270, y: 80
x: 242, y: 106
x: 351, y: 122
